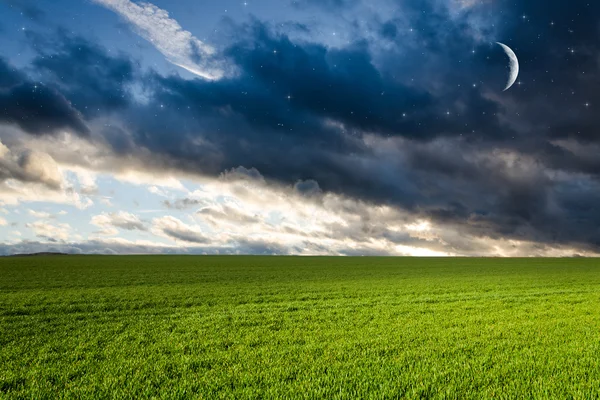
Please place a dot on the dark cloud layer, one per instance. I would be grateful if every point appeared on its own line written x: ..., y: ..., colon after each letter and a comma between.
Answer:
x: 95, y: 82
x: 422, y: 125
x: 36, y: 108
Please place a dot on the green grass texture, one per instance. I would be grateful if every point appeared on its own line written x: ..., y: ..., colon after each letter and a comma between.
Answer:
x: 221, y: 327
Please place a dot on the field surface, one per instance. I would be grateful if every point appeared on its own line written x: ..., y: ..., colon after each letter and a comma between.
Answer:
x: 298, y: 327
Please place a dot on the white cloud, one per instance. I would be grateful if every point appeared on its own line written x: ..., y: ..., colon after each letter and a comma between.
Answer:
x: 90, y: 159
x: 14, y: 192
x: 140, y: 177
x: 86, y: 180
x: 29, y: 166
x: 50, y: 231
x: 106, y: 201
x: 31, y: 175
x: 3, y: 222
x: 121, y: 219
x: 157, y: 191
x: 41, y: 167
x: 179, y: 46
x: 108, y: 231
x: 40, y: 214
x: 3, y: 150
x: 177, y: 230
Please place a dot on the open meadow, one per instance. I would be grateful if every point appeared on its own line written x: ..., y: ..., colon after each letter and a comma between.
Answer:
x: 298, y: 327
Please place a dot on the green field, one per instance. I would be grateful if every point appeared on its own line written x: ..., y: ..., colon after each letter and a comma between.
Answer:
x: 298, y: 327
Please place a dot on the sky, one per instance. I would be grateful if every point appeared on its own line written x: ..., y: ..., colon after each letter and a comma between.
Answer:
x: 300, y: 127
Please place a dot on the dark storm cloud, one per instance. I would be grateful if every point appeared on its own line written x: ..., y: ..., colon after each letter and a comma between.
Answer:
x: 508, y: 198
x: 242, y: 174
x: 283, y: 97
x: 95, y: 82
x: 307, y: 188
x: 9, y: 76
x: 36, y: 108
x: 344, y: 85
x: 388, y: 30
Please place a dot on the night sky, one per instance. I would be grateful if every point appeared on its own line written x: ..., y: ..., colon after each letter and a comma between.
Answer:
x: 300, y: 127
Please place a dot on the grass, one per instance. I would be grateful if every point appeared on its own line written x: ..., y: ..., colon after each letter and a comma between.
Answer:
x: 298, y: 327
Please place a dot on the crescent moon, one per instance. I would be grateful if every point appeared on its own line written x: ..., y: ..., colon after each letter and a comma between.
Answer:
x: 514, y: 65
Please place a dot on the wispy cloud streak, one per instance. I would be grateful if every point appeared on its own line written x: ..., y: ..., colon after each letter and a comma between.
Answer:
x: 179, y: 46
